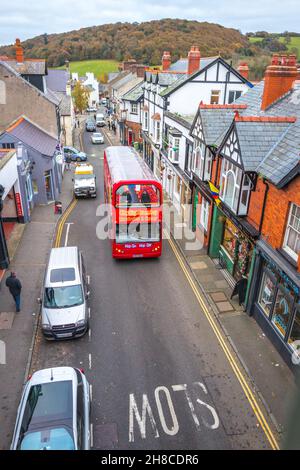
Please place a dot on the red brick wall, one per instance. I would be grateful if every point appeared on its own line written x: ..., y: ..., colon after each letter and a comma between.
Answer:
x: 277, y: 212
x: 256, y: 204
x: 136, y: 128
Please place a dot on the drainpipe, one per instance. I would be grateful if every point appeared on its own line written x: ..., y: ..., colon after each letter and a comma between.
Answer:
x: 264, y: 204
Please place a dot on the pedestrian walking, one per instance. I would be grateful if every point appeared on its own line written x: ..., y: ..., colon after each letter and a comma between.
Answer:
x: 78, y: 123
x: 14, y: 286
x: 109, y: 123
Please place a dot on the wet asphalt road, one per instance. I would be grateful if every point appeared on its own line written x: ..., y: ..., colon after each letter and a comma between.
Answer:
x: 159, y: 378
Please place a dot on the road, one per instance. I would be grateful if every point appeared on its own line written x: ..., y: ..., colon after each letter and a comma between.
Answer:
x: 158, y: 374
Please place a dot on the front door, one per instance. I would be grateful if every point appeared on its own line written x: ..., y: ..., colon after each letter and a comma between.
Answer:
x: 129, y: 137
x: 48, y: 185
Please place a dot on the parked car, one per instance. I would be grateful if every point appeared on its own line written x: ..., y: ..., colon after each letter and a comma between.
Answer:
x: 92, y: 109
x: 74, y: 155
x: 90, y: 125
x: 97, y: 138
x: 54, y: 411
x: 65, y: 309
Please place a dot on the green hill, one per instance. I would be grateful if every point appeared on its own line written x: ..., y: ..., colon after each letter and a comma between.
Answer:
x: 143, y: 41
x: 98, y: 67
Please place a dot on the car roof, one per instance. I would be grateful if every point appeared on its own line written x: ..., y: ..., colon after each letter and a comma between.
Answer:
x: 62, y: 258
x: 58, y: 374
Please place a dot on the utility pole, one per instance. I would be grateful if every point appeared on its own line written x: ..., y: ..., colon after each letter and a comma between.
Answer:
x: 4, y: 257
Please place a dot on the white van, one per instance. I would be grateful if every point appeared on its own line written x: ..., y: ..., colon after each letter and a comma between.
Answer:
x: 100, y: 120
x: 65, y: 295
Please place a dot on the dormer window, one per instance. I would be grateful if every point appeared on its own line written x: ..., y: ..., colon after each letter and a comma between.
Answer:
x: 292, y: 234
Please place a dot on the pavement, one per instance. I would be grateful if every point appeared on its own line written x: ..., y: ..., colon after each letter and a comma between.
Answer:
x: 141, y: 344
x: 29, y: 247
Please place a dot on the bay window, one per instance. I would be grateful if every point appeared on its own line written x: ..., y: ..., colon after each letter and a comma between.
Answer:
x: 199, y: 160
x: 204, y: 211
x: 292, y: 234
x: 235, y: 187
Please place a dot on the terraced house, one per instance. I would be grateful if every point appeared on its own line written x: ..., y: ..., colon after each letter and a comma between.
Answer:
x: 246, y: 207
x: 171, y: 98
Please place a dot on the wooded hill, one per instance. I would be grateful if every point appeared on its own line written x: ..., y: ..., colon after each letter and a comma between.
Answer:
x: 143, y: 41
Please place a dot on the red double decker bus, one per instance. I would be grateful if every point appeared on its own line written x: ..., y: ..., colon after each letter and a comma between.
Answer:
x: 135, y: 198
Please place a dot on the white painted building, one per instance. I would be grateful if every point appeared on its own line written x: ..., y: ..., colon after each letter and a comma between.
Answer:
x: 171, y: 98
x: 92, y: 84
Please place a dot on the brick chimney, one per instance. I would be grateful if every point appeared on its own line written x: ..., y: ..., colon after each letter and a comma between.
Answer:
x: 19, y: 52
x: 279, y: 79
x: 243, y: 70
x: 193, y: 60
x: 166, y: 60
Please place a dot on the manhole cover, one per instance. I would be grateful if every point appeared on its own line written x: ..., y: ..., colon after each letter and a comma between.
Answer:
x: 6, y: 320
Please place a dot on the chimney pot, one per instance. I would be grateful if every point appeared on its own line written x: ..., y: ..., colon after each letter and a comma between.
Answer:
x: 166, y: 60
x: 19, y: 52
x: 194, y: 58
x: 243, y: 70
x: 279, y: 79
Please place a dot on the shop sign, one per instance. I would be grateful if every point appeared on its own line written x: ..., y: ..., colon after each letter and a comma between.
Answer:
x: 18, y: 205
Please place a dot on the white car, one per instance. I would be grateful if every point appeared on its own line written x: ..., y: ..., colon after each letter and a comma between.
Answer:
x: 54, y: 412
x: 97, y: 138
x: 92, y: 109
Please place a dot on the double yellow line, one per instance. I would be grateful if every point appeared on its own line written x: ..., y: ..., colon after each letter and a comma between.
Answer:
x: 235, y: 367
x: 62, y: 223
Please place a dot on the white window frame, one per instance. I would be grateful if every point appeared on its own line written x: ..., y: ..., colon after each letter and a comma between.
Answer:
x: 229, y: 169
x: 204, y: 213
x: 174, y: 154
x: 199, y: 160
x: 214, y: 94
x: 146, y: 120
x: 134, y: 108
x: 207, y: 165
x: 296, y: 228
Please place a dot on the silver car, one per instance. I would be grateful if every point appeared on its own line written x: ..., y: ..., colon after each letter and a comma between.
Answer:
x: 97, y: 138
x: 54, y: 411
x: 65, y: 310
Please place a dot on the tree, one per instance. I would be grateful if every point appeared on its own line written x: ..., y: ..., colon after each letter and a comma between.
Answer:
x: 81, y: 96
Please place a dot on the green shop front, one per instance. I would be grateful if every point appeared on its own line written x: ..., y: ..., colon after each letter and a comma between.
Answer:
x: 232, y: 241
x: 274, y: 299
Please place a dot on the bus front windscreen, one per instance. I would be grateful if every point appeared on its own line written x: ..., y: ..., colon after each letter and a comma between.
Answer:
x: 137, y: 195
x: 137, y: 232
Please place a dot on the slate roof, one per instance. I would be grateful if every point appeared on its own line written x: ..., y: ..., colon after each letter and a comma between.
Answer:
x: 184, y: 120
x: 135, y: 94
x: 57, y: 80
x: 65, y: 103
x: 270, y: 148
x: 29, y: 66
x: 257, y: 139
x: 182, y: 64
x: 35, y: 137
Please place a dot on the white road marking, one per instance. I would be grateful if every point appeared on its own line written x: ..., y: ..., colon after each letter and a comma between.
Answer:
x: 90, y: 361
x: 91, y: 392
x: 216, y: 423
x: 92, y: 435
x: 89, y: 312
x: 175, y: 427
x: 67, y: 232
x: 133, y: 411
x: 90, y: 334
x: 88, y: 279
x: 183, y: 387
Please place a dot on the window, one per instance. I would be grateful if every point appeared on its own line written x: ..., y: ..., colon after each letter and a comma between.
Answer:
x: 204, y: 211
x: 282, y: 310
x: 174, y: 150
x: 188, y: 157
x: 35, y: 187
x: 157, y: 131
x: 146, y: 120
x: 292, y: 235
x: 207, y: 166
x: 233, y: 95
x: 134, y: 108
x: 215, y: 96
x: 63, y: 297
x: 177, y: 187
x: 199, y: 160
x: 267, y: 293
x: 136, y: 194
x: 245, y: 195
x: 137, y: 232
x: 295, y: 331
x: 8, y: 146
x: 230, y: 183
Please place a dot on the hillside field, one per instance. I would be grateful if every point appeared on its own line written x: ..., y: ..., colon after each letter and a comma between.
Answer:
x: 295, y: 42
x: 98, y: 67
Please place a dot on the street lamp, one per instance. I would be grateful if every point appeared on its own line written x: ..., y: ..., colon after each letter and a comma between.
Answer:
x: 4, y: 258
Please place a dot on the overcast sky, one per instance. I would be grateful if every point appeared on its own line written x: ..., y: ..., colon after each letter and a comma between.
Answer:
x: 26, y: 19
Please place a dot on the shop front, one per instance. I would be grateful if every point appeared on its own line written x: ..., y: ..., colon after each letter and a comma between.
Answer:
x: 232, y: 242
x: 275, y: 299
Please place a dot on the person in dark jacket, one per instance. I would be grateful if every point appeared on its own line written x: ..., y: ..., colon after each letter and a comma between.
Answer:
x: 14, y: 286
